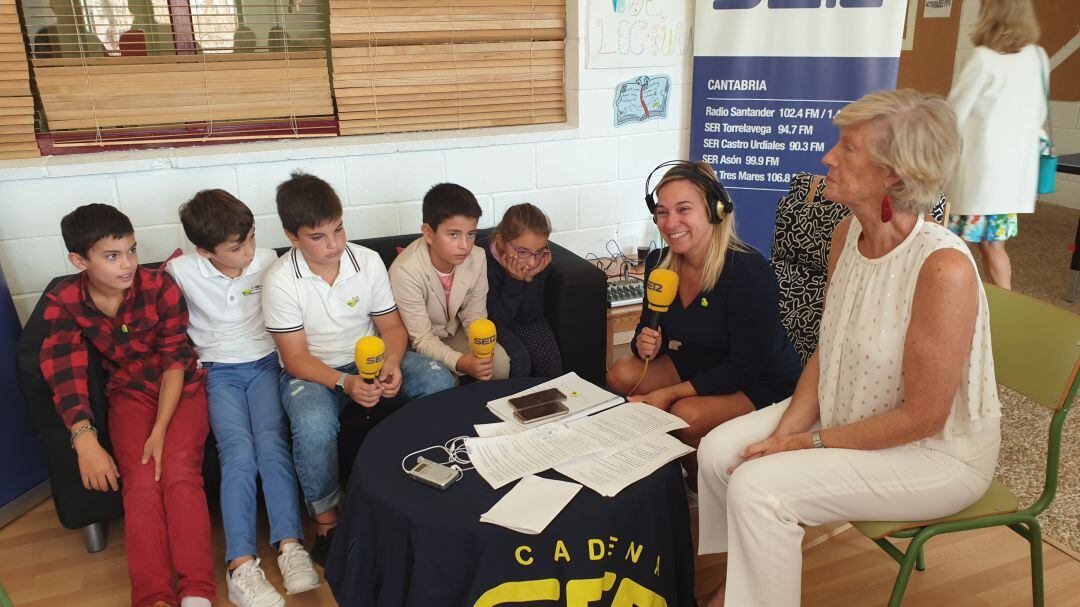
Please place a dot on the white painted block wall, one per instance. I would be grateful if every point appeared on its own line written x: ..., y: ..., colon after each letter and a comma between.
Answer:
x: 1065, y: 114
x: 587, y: 175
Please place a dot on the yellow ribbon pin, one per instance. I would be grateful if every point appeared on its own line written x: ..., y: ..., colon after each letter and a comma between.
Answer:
x: 704, y: 303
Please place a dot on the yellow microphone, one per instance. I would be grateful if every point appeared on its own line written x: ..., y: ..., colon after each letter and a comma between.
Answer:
x: 370, y: 354
x: 660, y: 290
x: 482, y: 338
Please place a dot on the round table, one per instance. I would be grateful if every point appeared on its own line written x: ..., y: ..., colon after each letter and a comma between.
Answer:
x: 402, y: 543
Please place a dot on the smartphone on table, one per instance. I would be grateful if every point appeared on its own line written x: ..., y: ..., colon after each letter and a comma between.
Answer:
x: 536, y: 398
x: 542, y: 411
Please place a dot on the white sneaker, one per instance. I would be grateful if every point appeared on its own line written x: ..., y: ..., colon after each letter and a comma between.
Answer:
x: 296, y: 569
x: 194, y: 601
x: 248, y: 587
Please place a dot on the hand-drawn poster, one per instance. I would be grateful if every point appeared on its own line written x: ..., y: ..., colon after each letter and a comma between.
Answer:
x: 639, y: 33
x: 643, y: 98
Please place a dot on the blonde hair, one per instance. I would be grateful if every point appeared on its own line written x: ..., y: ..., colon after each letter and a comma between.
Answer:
x: 723, y: 239
x: 917, y: 139
x: 1006, y: 26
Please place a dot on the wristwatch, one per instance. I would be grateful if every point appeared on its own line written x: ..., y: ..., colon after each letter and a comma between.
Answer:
x: 339, y: 387
x: 815, y: 437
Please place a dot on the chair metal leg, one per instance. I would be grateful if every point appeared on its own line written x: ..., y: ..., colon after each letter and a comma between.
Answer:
x: 920, y: 560
x: 910, y: 556
x: 96, y: 536
x: 1036, y: 563
x: 5, y: 600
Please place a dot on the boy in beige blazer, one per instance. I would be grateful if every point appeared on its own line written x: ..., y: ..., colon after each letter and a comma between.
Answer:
x: 440, y: 284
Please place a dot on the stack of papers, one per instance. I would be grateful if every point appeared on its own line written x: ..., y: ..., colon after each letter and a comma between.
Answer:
x: 531, y: 505
x: 503, y: 459
x: 608, y: 473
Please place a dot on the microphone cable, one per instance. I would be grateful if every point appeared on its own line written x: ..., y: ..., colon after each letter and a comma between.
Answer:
x: 644, y: 370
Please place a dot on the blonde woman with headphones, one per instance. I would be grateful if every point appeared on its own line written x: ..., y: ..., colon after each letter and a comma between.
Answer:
x: 719, y: 351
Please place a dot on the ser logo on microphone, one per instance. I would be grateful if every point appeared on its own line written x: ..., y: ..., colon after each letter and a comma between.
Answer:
x: 483, y: 341
x: 655, y: 286
x: 726, y: 5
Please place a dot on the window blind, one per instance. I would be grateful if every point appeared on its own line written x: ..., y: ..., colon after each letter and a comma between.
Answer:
x: 147, y: 72
x: 414, y: 65
x: 16, y: 102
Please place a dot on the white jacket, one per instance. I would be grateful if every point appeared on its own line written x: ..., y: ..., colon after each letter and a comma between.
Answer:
x: 1001, y: 106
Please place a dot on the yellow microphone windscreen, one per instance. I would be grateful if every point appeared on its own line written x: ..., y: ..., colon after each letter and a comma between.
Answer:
x: 370, y: 354
x: 661, y: 288
x: 482, y: 337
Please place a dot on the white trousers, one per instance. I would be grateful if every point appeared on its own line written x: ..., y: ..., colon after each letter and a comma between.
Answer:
x: 754, y: 514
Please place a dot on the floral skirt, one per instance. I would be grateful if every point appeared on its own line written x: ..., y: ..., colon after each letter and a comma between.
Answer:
x: 977, y: 228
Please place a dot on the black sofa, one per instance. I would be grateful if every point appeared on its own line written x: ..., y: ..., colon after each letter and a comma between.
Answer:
x: 575, y: 306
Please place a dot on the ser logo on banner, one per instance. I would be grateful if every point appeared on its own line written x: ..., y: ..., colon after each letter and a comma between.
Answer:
x: 723, y: 5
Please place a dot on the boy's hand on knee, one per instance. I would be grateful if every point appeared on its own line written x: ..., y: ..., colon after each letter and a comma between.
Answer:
x: 155, y: 445
x: 363, y: 393
x: 96, y: 466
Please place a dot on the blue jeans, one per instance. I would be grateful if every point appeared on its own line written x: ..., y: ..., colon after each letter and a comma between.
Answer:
x: 314, y: 412
x: 251, y: 432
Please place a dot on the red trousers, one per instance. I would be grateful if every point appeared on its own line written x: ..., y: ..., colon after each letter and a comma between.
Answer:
x: 164, y: 520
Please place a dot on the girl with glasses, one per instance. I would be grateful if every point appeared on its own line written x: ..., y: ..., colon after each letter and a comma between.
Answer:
x: 518, y: 257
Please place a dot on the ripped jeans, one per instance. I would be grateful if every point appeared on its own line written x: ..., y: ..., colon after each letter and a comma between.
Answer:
x: 314, y: 412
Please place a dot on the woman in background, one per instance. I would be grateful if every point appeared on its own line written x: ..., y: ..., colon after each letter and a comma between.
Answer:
x: 1000, y: 104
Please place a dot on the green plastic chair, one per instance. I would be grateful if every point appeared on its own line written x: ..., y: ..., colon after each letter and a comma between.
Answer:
x: 1036, y: 353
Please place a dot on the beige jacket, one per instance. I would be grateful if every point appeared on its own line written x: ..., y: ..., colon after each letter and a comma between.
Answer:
x: 422, y: 303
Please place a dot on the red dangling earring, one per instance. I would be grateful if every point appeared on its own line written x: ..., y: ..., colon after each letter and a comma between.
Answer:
x: 886, y: 209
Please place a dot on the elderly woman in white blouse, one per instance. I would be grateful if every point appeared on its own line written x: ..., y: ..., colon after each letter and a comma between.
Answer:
x: 896, y: 415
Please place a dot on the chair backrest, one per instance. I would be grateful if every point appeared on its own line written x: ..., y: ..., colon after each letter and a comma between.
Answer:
x: 1036, y: 347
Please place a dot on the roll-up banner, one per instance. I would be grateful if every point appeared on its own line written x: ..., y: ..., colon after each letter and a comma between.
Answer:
x: 769, y: 76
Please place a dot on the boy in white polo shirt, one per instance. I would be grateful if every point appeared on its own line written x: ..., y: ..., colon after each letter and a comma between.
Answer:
x: 320, y: 298
x: 223, y: 284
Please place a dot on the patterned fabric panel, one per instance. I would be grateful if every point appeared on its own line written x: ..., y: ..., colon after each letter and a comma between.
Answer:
x: 804, y: 227
x: 800, y: 256
x: 802, y: 292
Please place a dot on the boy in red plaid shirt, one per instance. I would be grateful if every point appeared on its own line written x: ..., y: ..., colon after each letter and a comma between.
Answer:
x: 137, y: 320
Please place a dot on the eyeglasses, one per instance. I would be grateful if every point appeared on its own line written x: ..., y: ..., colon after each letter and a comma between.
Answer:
x: 523, y: 253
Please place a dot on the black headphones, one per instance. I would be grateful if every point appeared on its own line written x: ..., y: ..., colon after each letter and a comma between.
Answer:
x: 716, y: 197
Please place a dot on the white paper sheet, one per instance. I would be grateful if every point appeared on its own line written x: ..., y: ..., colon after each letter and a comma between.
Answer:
x: 531, y: 505
x: 618, y: 426
x: 496, y: 429
x: 609, y: 473
x: 503, y: 459
x: 582, y: 398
